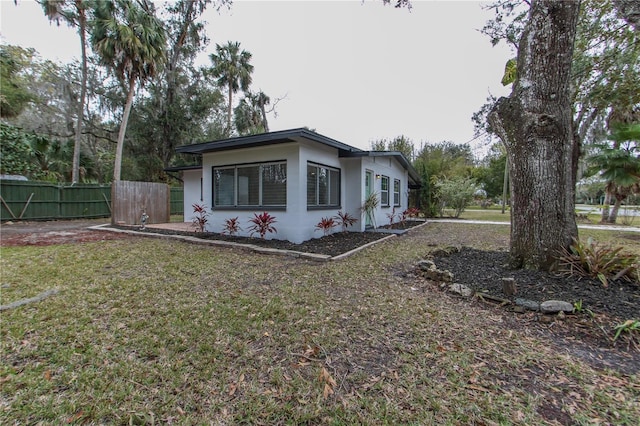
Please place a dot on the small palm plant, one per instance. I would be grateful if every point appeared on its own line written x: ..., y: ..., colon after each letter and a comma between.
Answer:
x: 369, y: 206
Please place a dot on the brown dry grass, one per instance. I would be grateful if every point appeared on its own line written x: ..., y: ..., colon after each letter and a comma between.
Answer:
x: 154, y: 331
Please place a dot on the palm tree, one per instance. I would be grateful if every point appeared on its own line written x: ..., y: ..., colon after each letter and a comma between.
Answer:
x: 74, y: 15
x: 251, y: 114
x: 260, y: 100
x: 620, y: 167
x: 232, y: 69
x: 128, y: 38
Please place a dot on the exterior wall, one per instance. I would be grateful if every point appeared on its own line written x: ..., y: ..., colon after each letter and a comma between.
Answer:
x: 387, y: 166
x: 192, y: 191
x: 325, y: 156
x: 353, y: 180
x: 288, y: 221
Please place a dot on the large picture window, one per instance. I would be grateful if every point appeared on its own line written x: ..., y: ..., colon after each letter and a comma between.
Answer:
x: 396, y: 192
x: 250, y: 185
x: 323, y: 186
x: 384, y: 191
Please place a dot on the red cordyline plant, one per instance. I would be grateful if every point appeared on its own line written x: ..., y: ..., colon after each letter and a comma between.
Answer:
x: 344, y: 220
x: 409, y: 213
x: 262, y: 223
x: 392, y: 216
x: 201, y: 217
x: 231, y: 226
x: 325, y: 225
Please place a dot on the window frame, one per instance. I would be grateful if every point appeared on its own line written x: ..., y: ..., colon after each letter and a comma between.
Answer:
x: 329, y: 205
x: 384, y: 178
x: 235, y: 205
x: 396, y: 194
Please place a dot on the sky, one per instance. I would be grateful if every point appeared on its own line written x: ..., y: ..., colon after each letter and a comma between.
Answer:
x: 355, y: 71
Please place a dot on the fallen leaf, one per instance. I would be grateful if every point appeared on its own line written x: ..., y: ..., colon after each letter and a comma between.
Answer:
x: 478, y: 388
x: 327, y: 391
x: 75, y: 417
x: 47, y: 375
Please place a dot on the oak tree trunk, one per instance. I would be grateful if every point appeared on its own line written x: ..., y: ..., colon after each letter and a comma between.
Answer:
x: 535, y: 123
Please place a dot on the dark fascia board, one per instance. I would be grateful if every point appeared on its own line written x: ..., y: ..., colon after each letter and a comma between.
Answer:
x: 182, y: 168
x: 413, y: 173
x: 263, y: 139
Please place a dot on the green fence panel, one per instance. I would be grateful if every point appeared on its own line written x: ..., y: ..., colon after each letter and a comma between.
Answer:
x: 85, y: 201
x: 29, y: 200
x: 177, y: 200
x: 45, y: 201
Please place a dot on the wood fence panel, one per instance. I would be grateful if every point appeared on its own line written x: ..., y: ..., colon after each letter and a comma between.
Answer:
x: 131, y: 199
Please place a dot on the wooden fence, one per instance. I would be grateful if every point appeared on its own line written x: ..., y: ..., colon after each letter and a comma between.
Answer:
x: 31, y: 200
x: 132, y: 199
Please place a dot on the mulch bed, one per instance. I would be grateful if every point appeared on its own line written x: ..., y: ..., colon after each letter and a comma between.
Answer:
x: 331, y: 245
x: 482, y: 271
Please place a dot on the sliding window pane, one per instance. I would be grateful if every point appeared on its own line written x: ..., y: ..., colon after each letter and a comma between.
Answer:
x: 249, y: 186
x: 312, y: 185
x: 274, y: 185
x: 223, y: 187
x: 323, y: 186
x: 334, y: 188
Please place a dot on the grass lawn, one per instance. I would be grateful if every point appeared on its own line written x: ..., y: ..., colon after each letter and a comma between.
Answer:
x: 150, y: 331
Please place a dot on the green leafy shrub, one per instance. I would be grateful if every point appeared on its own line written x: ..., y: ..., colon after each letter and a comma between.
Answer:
x: 589, y: 259
x: 454, y: 194
x: 629, y: 326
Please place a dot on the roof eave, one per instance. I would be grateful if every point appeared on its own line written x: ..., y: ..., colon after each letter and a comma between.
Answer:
x: 413, y: 173
x: 262, y: 139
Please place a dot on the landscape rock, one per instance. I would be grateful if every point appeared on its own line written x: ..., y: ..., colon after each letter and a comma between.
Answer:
x: 425, y: 265
x: 444, y: 252
x: 527, y: 304
x: 461, y: 289
x: 438, y: 275
x: 429, y: 271
x: 555, y: 306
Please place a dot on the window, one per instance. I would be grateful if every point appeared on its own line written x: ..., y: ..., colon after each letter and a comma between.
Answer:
x: 384, y: 191
x: 323, y: 186
x: 396, y: 192
x: 250, y: 185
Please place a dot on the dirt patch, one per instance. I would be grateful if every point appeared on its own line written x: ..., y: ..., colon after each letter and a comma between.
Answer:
x: 46, y: 233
